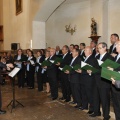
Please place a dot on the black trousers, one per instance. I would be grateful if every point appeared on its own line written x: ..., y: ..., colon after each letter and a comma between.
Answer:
x: 53, y: 86
x: 116, y: 104
x: 76, y: 93
x: 102, y: 95
x: 87, y: 97
x: 21, y: 78
x: 30, y: 78
x: 65, y: 85
x: 0, y: 99
x: 40, y: 81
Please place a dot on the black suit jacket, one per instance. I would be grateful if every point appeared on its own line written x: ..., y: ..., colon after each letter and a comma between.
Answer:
x: 1, y: 66
x: 82, y: 55
x: 86, y: 79
x: 103, y: 82
x: 114, y: 51
x: 23, y: 57
x: 74, y: 77
x: 59, y: 54
x: 52, y: 70
x: 66, y: 61
x: 32, y: 67
x: 94, y: 52
x: 40, y: 61
x: 115, y: 89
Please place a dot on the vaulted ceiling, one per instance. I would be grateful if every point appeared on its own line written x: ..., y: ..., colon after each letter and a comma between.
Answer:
x: 50, y: 6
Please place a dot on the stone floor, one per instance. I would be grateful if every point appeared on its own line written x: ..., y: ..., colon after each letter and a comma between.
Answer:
x: 38, y: 106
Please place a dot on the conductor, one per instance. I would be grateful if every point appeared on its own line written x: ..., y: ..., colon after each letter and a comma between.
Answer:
x: 7, y: 66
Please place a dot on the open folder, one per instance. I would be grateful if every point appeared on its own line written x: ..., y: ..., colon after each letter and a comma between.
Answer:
x: 67, y: 67
x: 46, y: 63
x: 14, y: 72
x: 108, y: 74
x: 58, y: 60
x: 86, y: 66
x: 110, y: 63
x: 77, y: 67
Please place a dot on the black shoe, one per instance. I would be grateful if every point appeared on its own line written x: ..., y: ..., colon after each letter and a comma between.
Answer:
x: 2, y: 112
x: 54, y: 98
x: 62, y: 98
x: 77, y: 106
x: 73, y: 102
x: 81, y: 108
x: 107, y: 118
x: 31, y: 88
x: 67, y: 100
x: 94, y: 115
x: 50, y: 96
x: 90, y: 112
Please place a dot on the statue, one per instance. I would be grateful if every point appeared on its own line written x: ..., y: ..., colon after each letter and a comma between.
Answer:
x: 93, y: 27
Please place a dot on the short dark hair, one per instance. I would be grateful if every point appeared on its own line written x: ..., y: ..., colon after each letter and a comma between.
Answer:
x: 67, y: 48
x: 77, y: 50
x: 39, y: 52
x: 72, y: 45
x: 83, y: 44
x: 94, y: 42
x: 76, y: 46
x: 116, y: 35
x: 103, y: 44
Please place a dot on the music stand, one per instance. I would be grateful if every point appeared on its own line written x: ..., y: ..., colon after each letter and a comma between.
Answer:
x: 14, y: 101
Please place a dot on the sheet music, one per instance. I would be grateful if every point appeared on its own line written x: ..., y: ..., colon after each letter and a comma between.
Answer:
x: 60, y: 68
x: 100, y: 62
x: 14, y: 72
x: 52, y: 61
x: 83, y: 64
x: 40, y: 63
x: 32, y: 62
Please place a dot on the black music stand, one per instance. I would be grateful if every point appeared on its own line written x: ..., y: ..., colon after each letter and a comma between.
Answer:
x: 14, y: 101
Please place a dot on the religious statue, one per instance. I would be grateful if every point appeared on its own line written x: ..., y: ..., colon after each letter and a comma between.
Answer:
x: 93, y: 27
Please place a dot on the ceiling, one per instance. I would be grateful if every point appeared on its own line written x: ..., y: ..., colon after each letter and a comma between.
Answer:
x: 74, y: 1
x: 50, y: 6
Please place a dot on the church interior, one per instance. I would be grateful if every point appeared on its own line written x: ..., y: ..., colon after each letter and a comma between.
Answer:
x: 43, y: 24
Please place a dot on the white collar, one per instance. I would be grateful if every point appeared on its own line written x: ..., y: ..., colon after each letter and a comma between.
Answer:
x: 103, y: 54
x: 65, y: 54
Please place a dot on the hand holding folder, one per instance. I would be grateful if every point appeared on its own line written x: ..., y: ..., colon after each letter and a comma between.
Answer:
x: 58, y: 60
x: 46, y: 63
x: 77, y: 67
x: 109, y: 63
x: 108, y: 74
x: 67, y: 68
x: 86, y: 67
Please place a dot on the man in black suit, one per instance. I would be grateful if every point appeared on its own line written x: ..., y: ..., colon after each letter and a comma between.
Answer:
x: 71, y: 47
x: 58, y: 51
x: 115, y: 86
x: 88, y: 81
x: 18, y: 61
x: 7, y: 66
x: 97, y: 52
x: 74, y: 78
x: 93, y: 46
x: 114, y: 38
x: 102, y: 87
x: 82, y: 48
x: 52, y: 75
x: 65, y: 83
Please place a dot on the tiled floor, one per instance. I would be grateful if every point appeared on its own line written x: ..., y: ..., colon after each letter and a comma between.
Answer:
x: 38, y: 106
